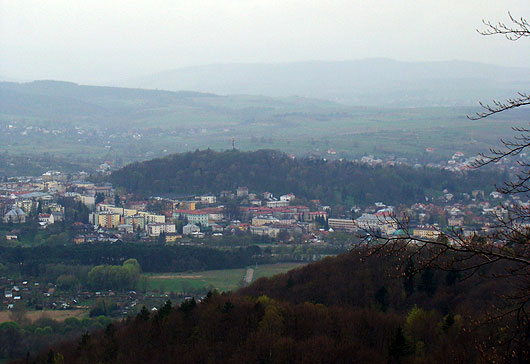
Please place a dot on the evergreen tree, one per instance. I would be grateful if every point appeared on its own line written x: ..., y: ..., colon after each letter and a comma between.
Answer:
x: 408, y: 279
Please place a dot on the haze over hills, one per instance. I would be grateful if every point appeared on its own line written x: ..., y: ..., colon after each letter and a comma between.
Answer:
x: 367, y: 82
x: 94, y: 124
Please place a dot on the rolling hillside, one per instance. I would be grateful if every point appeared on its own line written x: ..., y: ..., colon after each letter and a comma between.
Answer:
x: 89, y: 125
x: 339, y: 310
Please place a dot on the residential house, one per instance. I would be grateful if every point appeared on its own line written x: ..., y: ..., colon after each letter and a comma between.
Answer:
x: 208, y: 199
x: 46, y: 219
x: 12, y: 236
x: 242, y: 191
x: 126, y: 228
x: 426, y: 232
x: 172, y: 237
x: 16, y: 216
x: 189, y: 229
x: 455, y: 220
x: 289, y: 197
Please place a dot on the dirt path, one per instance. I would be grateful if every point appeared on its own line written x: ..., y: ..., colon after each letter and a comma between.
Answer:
x: 249, y: 275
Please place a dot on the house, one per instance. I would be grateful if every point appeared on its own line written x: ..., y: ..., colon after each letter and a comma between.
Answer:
x: 496, y: 194
x: 16, y: 216
x: 185, y: 205
x: 79, y: 239
x: 172, y: 237
x: 242, y: 191
x: 46, y: 219
x: 426, y: 232
x: 58, y: 216
x: 12, y: 236
x: 189, y: 229
x: 208, y: 199
x: 288, y: 197
x: 226, y: 194
x: 216, y: 228
x: 457, y: 220
x: 126, y: 228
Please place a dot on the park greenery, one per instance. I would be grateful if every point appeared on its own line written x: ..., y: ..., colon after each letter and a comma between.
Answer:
x: 117, y: 277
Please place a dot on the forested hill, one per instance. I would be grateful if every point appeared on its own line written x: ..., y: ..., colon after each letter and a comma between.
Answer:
x: 339, y: 310
x: 340, y: 182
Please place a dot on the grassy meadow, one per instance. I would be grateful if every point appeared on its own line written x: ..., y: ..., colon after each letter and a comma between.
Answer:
x: 222, y: 280
x: 58, y: 315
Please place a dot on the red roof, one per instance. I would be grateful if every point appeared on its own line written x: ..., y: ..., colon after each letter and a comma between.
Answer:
x: 189, y: 212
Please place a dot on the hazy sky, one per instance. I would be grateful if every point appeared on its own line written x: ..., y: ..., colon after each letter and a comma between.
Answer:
x: 97, y: 41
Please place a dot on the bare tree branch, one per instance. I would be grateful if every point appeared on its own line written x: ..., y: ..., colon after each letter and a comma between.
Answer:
x: 518, y: 28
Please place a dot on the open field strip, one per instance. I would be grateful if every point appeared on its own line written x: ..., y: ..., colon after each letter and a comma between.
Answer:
x: 222, y: 280
x: 58, y: 315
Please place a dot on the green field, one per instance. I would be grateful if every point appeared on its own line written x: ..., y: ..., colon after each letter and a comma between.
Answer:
x: 222, y: 280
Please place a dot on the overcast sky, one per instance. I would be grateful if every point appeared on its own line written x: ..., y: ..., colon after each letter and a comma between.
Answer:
x: 96, y: 42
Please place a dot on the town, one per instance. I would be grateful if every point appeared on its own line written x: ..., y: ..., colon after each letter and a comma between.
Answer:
x: 80, y: 209
x: 95, y: 212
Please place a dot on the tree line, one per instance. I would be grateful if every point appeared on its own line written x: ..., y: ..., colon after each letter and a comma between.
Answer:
x: 152, y: 258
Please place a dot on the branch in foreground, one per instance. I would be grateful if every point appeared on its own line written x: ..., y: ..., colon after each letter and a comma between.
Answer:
x: 499, y: 106
x: 518, y: 29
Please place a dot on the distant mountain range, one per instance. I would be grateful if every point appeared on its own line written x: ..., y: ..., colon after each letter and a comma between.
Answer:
x: 58, y: 100
x: 368, y: 82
